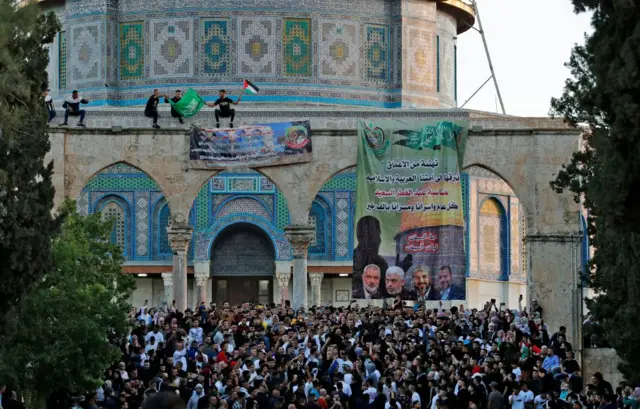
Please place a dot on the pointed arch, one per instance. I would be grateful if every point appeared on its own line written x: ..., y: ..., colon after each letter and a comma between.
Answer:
x: 114, y: 207
x: 493, y: 242
x: 138, y: 190
x: 320, y: 216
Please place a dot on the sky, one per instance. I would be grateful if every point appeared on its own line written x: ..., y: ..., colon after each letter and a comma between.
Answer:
x: 529, y: 42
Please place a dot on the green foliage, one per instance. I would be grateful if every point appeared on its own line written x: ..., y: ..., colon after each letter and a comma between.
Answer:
x: 63, y: 333
x: 604, y: 97
x: 26, y: 191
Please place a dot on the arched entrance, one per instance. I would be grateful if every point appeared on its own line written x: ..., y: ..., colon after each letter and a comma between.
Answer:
x: 243, y: 265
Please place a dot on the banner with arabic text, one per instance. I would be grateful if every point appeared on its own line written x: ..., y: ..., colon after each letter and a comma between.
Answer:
x: 277, y: 143
x: 409, y: 223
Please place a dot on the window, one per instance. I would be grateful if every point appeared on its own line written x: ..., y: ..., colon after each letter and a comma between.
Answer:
x: 455, y: 73
x: 113, y: 211
x: 438, y: 63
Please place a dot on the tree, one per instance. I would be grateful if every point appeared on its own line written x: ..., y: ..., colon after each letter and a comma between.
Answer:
x: 26, y: 191
x: 603, y: 96
x: 64, y: 333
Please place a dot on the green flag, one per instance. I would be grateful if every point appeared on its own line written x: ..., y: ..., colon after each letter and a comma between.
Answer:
x: 189, y: 105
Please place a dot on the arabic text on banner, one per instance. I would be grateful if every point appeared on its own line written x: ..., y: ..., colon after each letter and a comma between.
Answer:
x: 409, y: 223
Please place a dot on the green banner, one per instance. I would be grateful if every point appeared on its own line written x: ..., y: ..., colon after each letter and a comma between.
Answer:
x: 409, y: 221
x: 190, y: 104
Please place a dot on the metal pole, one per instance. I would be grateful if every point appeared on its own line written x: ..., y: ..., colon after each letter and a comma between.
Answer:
x: 486, y: 49
x: 474, y: 94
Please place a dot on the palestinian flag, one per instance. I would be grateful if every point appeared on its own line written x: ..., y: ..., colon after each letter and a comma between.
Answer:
x: 249, y: 88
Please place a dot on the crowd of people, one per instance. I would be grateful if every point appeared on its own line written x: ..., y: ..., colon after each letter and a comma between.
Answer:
x: 272, y: 357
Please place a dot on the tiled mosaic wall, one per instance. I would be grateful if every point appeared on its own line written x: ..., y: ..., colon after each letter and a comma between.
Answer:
x: 240, y: 196
x: 493, y: 215
x: 296, y: 50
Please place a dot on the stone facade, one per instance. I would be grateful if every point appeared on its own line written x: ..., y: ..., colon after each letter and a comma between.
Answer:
x: 306, y: 210
x: 380, y: 53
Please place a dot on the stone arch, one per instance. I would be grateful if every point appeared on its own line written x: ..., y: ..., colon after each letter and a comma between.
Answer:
x: 116, y: 207
x: 73, y: 187
x: 484, y: 184
x: 138, y: 190
x: 206, y: 238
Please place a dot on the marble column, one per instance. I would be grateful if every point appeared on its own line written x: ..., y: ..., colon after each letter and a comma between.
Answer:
x: 179, y: 237
x: 554, y: 281
x: 283, y: 278
x: 299, y: 237
x: 316, y: 288
x: 202, y: 272
x: 167, y: 280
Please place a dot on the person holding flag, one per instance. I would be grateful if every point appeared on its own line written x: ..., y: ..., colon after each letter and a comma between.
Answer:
x: 191, y: 103
x: 151, y: 109
x: 225, y: 110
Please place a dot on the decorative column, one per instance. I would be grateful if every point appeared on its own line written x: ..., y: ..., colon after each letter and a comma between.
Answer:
x: 316, y: 288
x: 179, y: 237
x: 299, y: 237
x: 283, y: 278
x: 202, y: 273
x: 167, y: 280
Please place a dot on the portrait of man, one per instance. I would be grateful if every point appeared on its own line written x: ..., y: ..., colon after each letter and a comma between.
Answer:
x: 394, y: 283
x: 369, y: 240
x: 424, y: 289
x: 448, y: 291
x: 370, y: 289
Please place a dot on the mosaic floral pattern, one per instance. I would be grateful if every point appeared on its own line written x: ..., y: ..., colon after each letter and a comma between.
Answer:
x: 343, y: 224
x: 215, y: 47
x: 243, y: 205
x: 171, y: 48
x: 257, y: 46
x: 297, y: 47
x: 376, y: 53
x: 132, y: 50
x: 86, y: 53
x: 420, y: 70
x: 62, y: 61
x: 142, y: 223
x: 338, y: 48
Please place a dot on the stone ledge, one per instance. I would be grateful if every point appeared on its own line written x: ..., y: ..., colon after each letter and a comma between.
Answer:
x: 553, y: 238
x: 315, y: 131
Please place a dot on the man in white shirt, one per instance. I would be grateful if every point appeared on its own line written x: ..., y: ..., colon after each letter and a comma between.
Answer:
x: 522, y: 398
x: 370, y: 390
x: 540, y: 402
x: 155, y: 334
x: 196, y: 333
x: 516, y: 371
